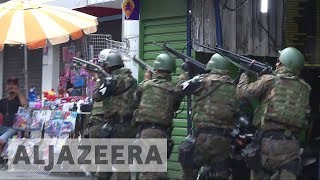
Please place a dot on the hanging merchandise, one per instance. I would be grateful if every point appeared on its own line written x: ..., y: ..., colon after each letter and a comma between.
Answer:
x: 90, y: 86
x: 65, y: 54
x: 67, y: 70
x: 60, y: 123
x: 79, y: 81
x: 22, y: 119
x: 72, y: 76
x: 32, y: 94
x: 83, y: 72
x: 72, y: 52
x: 34, y: 100
x: 53, y: 127
x: 38, y: 118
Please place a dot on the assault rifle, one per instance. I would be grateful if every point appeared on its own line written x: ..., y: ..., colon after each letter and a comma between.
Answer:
x: 242, y: 62
x: 143, y: 64
x: 190, y: 65
x: 90, y: 66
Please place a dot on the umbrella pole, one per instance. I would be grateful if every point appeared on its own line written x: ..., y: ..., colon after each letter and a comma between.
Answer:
x: 26, y: 70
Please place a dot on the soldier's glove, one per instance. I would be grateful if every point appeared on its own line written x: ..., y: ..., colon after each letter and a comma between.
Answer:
x: 107, y: 86
x: 185, y: 66
x: 267, y: 70
x: 191, y: 85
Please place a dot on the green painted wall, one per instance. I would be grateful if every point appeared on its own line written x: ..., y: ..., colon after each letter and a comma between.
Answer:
x: 165, y: 21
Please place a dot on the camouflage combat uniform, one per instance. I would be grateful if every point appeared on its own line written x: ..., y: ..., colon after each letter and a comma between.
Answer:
x: 116, y: 109
x: 213, y: 113
x: 158, y: 101
x: 281, y: 116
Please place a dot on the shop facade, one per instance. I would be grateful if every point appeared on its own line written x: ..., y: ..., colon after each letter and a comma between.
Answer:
x: 44, y: 65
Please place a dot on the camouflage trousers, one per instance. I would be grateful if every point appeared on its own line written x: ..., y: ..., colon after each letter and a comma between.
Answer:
x: 124, y: 130
x: 153, y: 133
x: 278, y: 155
x: 210, y: 150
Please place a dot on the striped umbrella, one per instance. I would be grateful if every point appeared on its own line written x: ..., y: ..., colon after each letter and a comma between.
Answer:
x: 33, y: 24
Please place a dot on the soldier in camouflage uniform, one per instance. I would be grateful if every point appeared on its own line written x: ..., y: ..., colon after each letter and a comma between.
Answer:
x: 281, y: 115
x: 158, y: 101
x: 214, y: 108
x: 113, y: 104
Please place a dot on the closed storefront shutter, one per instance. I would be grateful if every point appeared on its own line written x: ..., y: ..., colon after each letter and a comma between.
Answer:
x: 13, y: 65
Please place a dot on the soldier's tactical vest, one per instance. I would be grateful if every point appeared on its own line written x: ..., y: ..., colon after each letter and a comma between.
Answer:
x: 122, y: 103
x: 215, y: 102
x: 286, y: 104
x: 157, y: 101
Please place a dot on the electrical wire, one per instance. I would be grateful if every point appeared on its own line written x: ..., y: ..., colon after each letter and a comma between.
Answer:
x: 184, y: 47
x: 273, y: 45
x: 237, y: 7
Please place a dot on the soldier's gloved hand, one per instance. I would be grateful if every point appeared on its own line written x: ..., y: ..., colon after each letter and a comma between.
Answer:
x: 185, y: 66
x: 250, y: 66
x: 147, y: 75
x: 86, y: 107
x: 191, y: 85
x: 107, y: 86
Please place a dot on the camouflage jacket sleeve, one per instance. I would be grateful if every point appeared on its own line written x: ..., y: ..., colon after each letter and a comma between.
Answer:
x: 255, y: 89
x: 123, y: 84
x: 97, y: 97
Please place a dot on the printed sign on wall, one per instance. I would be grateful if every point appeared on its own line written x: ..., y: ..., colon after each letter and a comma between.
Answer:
x: 131, y: 9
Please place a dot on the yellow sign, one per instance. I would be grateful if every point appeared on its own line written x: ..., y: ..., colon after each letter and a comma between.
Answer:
x: 128, y: 7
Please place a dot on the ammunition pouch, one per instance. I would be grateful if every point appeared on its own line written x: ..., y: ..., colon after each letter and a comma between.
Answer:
x: 293, y: 167
x: 186, y: 152
x: 164, y: 129
x: 251, y: 153
x: 86, y: 107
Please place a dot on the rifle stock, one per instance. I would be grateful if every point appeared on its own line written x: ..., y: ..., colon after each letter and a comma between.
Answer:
x: 90, y: 66
x: 143, y: 64
x: 243, y: 62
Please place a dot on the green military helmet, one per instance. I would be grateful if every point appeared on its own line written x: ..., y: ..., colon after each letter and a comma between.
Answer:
x: 219, y: 62
x: 103, y: 55
x: 292, y: 59
x: 114, y: 59
x: 164, y: 62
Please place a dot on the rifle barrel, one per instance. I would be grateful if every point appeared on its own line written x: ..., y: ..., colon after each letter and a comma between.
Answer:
x: 184, y: 57
x: 99, y: 68
x: 258, y: 66
x: 143, y: 64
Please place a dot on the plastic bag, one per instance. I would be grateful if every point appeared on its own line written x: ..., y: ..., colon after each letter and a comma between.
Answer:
x: 38, y: 118
x: 69, y: 122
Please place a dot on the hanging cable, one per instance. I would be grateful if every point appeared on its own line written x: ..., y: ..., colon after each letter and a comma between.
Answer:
x: 273, y: 45
x: 237, y: 7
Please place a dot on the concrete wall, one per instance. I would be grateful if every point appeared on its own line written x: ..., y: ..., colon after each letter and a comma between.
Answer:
x: 130, y: 31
